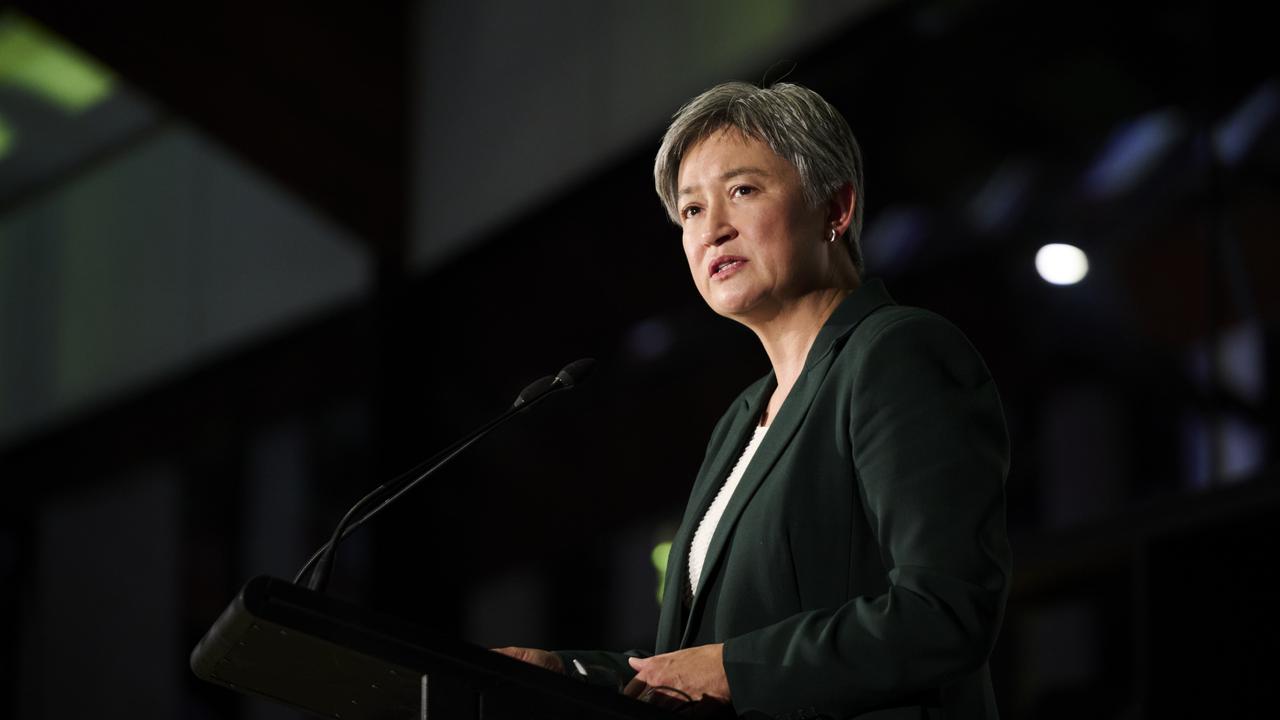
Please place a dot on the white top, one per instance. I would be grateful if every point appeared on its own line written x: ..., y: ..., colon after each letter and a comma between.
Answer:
x: 707, y: 528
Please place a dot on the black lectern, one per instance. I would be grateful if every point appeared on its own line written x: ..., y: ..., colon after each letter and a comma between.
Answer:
x: 314, y: 652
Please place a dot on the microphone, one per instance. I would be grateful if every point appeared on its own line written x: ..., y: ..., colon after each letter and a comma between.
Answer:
x: 575, y: 372
x: 535, y: 390
x: 534, y: 393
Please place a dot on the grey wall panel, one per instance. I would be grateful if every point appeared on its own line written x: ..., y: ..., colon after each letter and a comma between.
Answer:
x: 147, y: 265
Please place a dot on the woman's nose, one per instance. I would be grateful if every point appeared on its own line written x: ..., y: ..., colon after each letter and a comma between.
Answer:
x: 718, y: 229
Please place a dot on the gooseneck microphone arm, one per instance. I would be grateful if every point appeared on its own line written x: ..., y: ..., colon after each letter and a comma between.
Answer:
x: 390, y: 491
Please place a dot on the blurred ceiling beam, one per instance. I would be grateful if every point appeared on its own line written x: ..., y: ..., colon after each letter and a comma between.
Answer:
x: 314, y: 94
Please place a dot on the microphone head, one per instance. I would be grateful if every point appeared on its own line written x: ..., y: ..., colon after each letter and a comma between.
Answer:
x: 575, y: 372
x: 534, y: 390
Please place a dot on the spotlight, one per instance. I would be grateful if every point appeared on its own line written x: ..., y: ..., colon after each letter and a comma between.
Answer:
x: 1062, y: 264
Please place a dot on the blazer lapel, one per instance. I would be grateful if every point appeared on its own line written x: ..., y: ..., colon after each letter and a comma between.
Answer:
x: 857, y: 306
x: 775, y: 440
x: 707, y: 484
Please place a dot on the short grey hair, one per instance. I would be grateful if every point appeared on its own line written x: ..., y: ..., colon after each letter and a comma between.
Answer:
x: 794, y: 121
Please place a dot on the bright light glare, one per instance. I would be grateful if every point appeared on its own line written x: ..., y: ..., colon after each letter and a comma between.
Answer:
x: 1062, y: 264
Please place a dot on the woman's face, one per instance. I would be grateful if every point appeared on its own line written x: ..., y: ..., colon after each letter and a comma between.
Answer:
x: 752, y: 242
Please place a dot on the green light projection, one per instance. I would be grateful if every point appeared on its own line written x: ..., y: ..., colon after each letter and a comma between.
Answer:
x: 6, y: 137
x: 659, y: 558
x: 36, y: 60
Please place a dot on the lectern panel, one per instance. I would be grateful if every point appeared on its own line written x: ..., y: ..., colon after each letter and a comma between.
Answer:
x: 316, y: 653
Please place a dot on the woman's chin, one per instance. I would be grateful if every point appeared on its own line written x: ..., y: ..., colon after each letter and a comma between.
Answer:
x: 737, y: 300
x: 736, y: 308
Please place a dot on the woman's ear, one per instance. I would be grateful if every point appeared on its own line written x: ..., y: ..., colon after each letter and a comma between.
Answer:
x: 841, y: 207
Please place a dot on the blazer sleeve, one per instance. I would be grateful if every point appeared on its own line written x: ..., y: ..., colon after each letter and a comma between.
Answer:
x: 930, y: 456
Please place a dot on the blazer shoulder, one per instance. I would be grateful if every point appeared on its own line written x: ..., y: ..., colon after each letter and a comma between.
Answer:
x: 903, y: 318
x: 900, y: 333
x: 895, y: 324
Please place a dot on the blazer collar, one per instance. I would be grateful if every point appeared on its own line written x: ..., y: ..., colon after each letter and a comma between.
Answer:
x: 851, y: 311
x: 860, y: 303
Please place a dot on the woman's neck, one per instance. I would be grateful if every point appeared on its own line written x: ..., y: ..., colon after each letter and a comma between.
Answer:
x: 788, y: 335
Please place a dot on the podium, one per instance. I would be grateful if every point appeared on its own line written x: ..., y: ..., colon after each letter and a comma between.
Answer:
x: 337, y: 660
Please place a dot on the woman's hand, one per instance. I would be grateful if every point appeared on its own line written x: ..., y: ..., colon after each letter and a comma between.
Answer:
x: 541, y: 658
x: 695, y: 674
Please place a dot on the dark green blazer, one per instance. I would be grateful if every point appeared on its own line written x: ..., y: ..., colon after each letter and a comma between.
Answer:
x: 862, y: 564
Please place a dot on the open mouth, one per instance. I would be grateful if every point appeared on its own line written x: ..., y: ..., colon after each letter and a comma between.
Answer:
x: 726, y: 265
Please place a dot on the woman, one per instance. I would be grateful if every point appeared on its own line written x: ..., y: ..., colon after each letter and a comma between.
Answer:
x: 844, y: 547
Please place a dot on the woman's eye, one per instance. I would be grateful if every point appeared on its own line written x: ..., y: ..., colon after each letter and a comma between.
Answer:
x: 689, y: 212
x: 741, y: 190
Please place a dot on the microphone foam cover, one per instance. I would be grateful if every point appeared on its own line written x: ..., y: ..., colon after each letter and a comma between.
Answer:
x: 576, y: 371
x: 534, y: 390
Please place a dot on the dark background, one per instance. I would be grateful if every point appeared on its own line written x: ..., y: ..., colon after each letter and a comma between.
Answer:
x: 1140, y: 402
